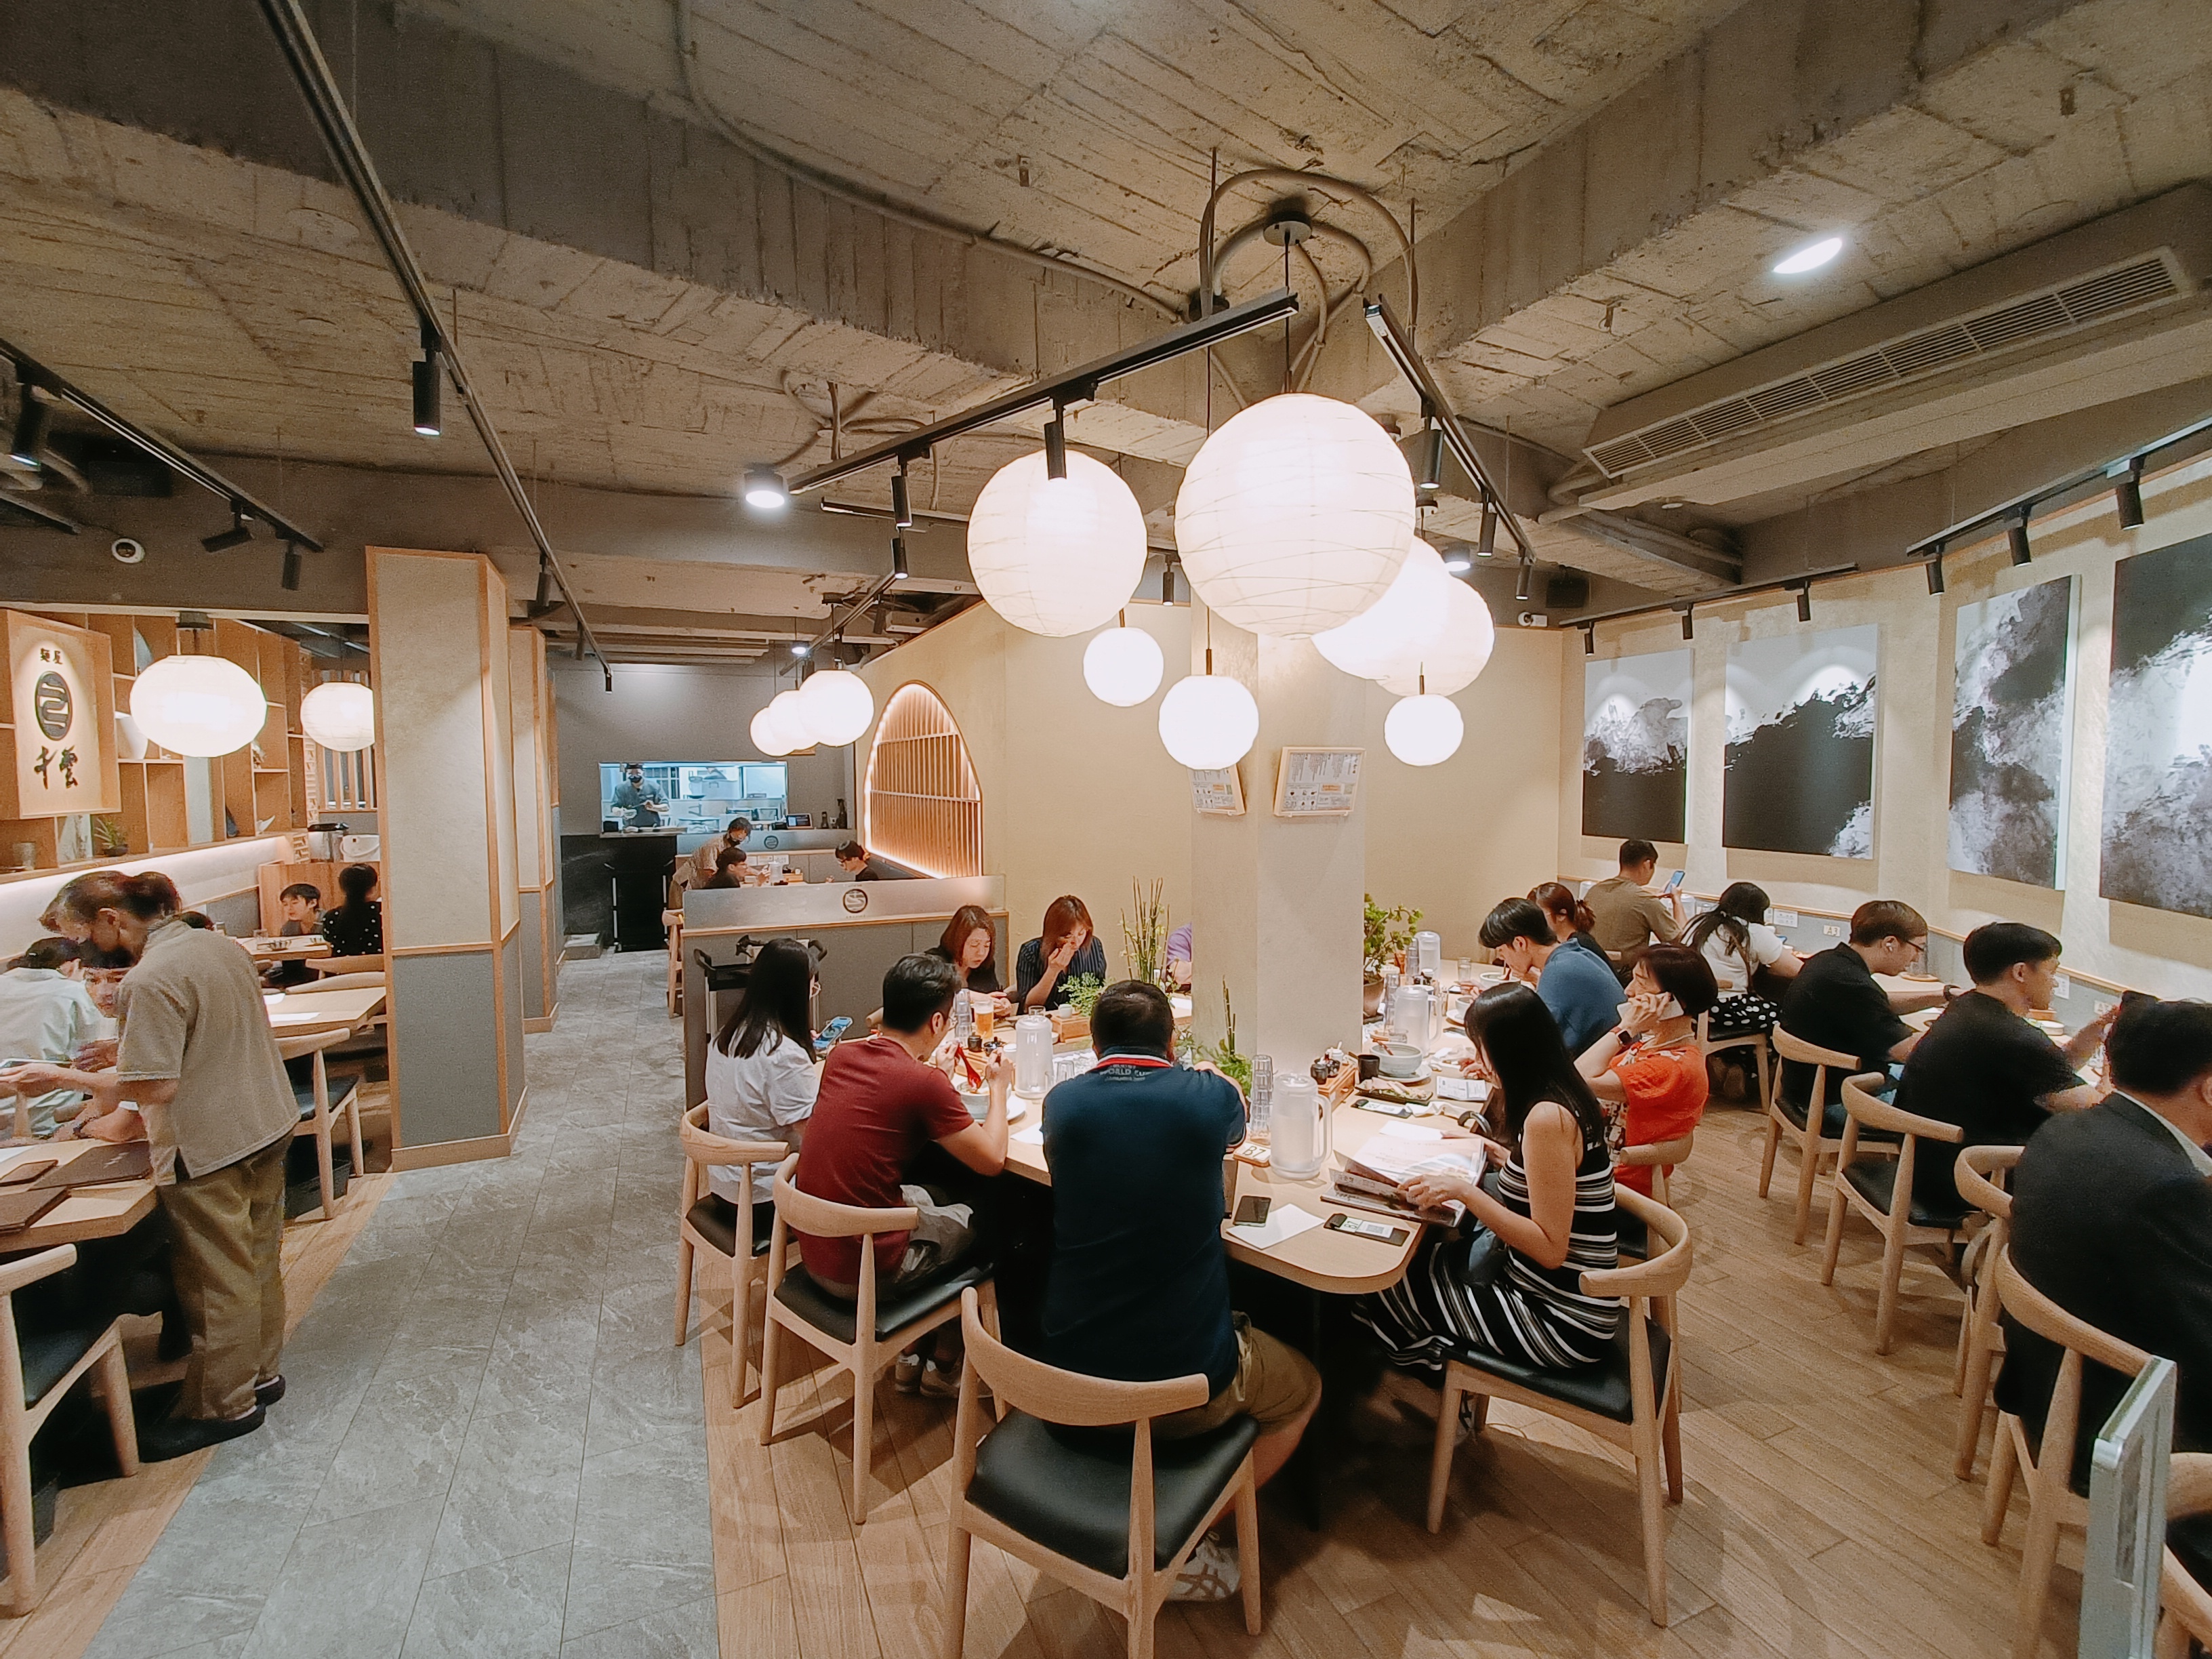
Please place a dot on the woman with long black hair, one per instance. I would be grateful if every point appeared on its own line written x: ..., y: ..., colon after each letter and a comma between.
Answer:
x: 762, y: 1073
x: 1736, y: 943
x: 1512, y: 1283
x: 356, y: 927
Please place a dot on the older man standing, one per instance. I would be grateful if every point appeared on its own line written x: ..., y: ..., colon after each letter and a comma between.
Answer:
x: 199, y: 1061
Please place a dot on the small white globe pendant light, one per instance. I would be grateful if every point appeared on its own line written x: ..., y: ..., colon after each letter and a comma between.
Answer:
x: 1401, y: 626
x: 1056, y: 555
x: 792, y: 728
x: 837, y: 705
x: 767, y: 732
x: 1208, y: 720
x: 199, y: 706
x: 340, y: 715
x: 1455, y: 655
x: 1295, y: 516
x: 1122, y: 665
x: 1423, y: 729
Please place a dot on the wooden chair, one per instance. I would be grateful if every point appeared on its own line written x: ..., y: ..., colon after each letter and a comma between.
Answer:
x: 1631, y: 1399
x: 1658, y: 1157
x: 35, y: 1372
x: 2187, y: 1606
x: 1803, y: 1128
x: 1980, y: 1337
x: 353, y: 979
x: 1879, y: 1187
x: 672, y: 920
x: 864, y: 1337
x: 701, y: 1225
x: 331, y: 967
x: 2051, y: 1500
x: 1116, y: 1519
x: 1708, y: 1045
x: 319, y: 1117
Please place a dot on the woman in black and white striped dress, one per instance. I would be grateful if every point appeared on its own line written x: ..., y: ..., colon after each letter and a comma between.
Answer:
x: 1550, y: 1208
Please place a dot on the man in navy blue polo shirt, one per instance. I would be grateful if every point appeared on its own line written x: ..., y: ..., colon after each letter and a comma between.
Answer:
x: 1139, y: 1282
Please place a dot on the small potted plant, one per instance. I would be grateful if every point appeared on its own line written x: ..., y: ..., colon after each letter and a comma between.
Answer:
x: 1386, y: 933
x: 1080, y: 994
x: 1144, y: 937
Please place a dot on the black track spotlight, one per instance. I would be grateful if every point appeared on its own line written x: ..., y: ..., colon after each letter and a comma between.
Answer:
x: 2127, y: 495
x: 240, y: 533
x: 800, y: 648
x: 33, y: 422
x: 764, y: 489
x: 1936, y: 571
x: 1524, y: 586
x: 1689, y: 623
x: 290, y: 579
x: 899, y: 572
x: 429, y: 377
x: 2016, y: 541
x: 1486, y: 546
x: 1167, y: 579
x: 902, y: 508
x: 1055, y: 444
x: 1590, y: 641
x: 1805, y: 602
x: 1432, y: 461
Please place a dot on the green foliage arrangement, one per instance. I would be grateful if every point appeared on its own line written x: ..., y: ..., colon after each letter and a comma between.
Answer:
x: 1386, y: 933
x: 1235, y: 1066
x: 1081, y: 993
x: 1144, y: 938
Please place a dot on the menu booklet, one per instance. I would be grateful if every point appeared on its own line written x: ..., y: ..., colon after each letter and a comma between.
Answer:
x: 1370, y: 1178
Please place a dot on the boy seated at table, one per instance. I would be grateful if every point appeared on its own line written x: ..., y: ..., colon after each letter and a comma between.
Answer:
x: 1138, y: 1289
x: 302, y: 905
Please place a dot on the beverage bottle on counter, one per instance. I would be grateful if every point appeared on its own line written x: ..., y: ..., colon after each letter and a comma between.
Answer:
x: 1263, y: 1096
x: 964, y: 1020
x: 1385, y: 1031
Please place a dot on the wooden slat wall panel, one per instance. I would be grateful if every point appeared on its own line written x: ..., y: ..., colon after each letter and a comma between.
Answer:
x: 921, y: 805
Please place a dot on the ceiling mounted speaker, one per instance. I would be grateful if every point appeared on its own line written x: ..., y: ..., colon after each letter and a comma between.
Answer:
x: 1295, y: 517
x: 1056, y: 555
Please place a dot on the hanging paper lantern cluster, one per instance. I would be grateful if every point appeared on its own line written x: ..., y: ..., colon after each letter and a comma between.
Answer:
x: 1056, y: 555
x: 832, y: 707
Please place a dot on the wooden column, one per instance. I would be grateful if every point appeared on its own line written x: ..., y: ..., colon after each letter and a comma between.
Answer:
x: 442, y: 666
x: 537, y: 848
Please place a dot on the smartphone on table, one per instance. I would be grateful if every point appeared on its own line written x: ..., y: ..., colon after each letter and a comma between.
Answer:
x: 1251, y: 1210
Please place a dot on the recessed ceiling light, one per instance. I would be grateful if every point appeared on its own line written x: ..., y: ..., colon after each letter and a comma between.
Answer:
x: 1811, y: 257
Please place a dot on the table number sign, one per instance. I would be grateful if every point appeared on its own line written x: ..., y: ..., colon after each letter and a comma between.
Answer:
x: 1317, y: 783
x: 1216, y: 791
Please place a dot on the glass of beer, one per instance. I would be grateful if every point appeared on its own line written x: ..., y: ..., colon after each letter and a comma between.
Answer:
x: 983, y: 1005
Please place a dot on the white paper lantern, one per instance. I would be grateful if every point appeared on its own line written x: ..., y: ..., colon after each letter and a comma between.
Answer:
x: 792, y: 728
x: 1122, y: 666
x: 1460, y: 651
x: 1423, y: 731
x: 340, y: 715
x: 1056, y: 555
x: 203, y: 706
x: 1208, y: 720
x: 1295, y: 516
x: 768, y: 735
x: 838, y: 706
x: 1398, y: 626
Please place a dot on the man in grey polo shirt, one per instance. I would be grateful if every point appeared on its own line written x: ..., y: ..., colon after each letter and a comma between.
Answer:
x: 199, y: 1060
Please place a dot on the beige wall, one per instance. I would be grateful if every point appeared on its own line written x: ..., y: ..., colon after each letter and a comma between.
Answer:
x: 2153, y: 951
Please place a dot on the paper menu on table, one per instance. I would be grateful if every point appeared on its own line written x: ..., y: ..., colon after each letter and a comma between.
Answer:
x: 1388, y: 1158
x: 1285, y: 1222
x: 1032, y: 1136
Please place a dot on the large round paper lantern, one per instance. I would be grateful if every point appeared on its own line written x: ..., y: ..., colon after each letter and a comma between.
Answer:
x: 1208, y: 720
x: 1122, y: 666
x: 1398, y: 626
x: 1295, y: 516
x: 766, y: 730
x: 1056, y: 555
x: 202, y: 706
x: 791, y: 725
x: 1460, y: 651
x: 1423, y: 731
x: 340, y: 715
x: 837, y: 705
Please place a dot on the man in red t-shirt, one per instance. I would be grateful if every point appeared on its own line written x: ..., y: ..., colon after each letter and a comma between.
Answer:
x: 879, y: 1107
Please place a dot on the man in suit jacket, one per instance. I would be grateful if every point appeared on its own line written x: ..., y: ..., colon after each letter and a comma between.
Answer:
x: 2113, y: 1221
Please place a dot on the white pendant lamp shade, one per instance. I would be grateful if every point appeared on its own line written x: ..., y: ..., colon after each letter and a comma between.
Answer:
x: 1208, y: 720
x: 1423, y: 731
x: 791, y: 726
x: 1397, y: 628
x: 1295, y: 516
x: 1460, y: 651
x: 838, y: 706
x: 1122, y: 666
x: 202, y: 706
x: 767, y: 733
x: 1056, y: 555
x: 340, y: 715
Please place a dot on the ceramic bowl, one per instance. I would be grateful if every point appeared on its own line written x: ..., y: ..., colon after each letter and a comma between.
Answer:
x: 1400, y: 1059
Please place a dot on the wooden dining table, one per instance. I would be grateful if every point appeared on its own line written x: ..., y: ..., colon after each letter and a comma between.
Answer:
x: 296, y: 947
x: 102, y: 1212
x: 307, y: 1013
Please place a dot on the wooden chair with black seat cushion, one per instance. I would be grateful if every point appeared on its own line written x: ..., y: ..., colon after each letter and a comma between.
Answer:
x: 1806, y: 1131
x: 1981, y: 1339
x: 320, y: 1113
x: 1632, y: 1398
x: 1658, y: 1157
x: 1709, y: 1045
x: 2185, y: 1602
x: 2053, y: 1500
x: 1114, y: 1515
x: 863, y: 1337
x: 37, y: 1369
x: 1879, y: 1185
x: 706, y: 1222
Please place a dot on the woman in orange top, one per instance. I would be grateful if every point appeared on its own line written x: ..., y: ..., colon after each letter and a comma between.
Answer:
x: 1650, y: 1073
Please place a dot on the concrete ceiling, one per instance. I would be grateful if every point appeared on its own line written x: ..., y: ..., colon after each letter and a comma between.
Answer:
x: 647, y: 307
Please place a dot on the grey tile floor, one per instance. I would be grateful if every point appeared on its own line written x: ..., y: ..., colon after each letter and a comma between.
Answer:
x: 488, y: 1445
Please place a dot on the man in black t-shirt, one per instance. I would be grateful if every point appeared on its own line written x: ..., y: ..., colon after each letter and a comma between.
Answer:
x: 1835, y: 1003
x: 1983, y: 1067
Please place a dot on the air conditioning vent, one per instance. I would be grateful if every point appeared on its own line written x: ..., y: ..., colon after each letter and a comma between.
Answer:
x: 2027, y: 319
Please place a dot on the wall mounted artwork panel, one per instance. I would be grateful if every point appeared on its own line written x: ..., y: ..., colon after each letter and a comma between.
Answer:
x: 1801, y: 735
x: 1636, y: 745
x: 2012, y: 707
x: 2158, y: 764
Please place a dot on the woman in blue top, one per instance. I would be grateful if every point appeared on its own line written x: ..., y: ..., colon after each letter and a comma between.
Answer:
x: 1066, y: 948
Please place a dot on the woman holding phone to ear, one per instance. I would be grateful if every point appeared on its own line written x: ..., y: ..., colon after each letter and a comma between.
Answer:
x: 1649, y: 1072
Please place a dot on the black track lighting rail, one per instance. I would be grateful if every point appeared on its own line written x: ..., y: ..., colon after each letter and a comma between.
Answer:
x: 1074, y: 385
x: 1802, y: 584
x: 30, y: 372
x: 288, y: 22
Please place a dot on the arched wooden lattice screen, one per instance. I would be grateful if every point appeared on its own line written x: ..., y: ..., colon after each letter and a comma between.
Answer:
x: 921, y: 803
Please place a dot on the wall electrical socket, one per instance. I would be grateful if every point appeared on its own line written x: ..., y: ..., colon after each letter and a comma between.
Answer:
x: 1781, y: 918
x: 1831, y: 930
x: 2063, y: 986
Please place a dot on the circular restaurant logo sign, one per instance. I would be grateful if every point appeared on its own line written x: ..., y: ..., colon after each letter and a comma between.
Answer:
x: 51, y: 704
x: 856, y: 898
x: 771, y: 843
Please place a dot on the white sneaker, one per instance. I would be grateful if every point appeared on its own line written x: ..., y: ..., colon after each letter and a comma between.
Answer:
x: 906, y: 1375
x: 1210, y: 1575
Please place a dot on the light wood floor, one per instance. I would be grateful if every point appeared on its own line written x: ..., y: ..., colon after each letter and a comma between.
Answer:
x: 103, y: 1533
x: 1821, y: 1518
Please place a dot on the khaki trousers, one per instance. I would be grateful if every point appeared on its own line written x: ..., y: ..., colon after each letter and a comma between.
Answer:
x: 229, y: 1225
